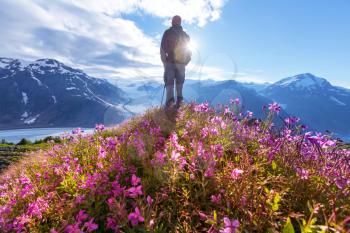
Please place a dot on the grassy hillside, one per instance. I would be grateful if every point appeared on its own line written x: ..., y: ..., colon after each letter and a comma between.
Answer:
x: 197, y: 170
x: 10, y: 153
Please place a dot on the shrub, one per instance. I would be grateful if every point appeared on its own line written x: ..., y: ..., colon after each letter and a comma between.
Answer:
x: 48, y: 139
x: 24, y: 142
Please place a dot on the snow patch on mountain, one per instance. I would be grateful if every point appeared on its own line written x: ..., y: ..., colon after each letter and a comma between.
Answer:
x: 3, y: 65
x: 5, y: 62
x: 33, y: 77
x: 46, y: 63
x: 303, y: 81
x: 22, y: 64
x: 31, y: 120
x: 337, y: 101
x: 24, y: 98
x: 24, y: 115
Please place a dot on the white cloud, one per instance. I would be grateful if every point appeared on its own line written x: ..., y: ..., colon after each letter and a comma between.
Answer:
x: 92, y: 34
x: 192, y: 11
x: 30, y: 30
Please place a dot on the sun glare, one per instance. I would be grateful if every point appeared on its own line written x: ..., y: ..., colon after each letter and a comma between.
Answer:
x: 192, y: 45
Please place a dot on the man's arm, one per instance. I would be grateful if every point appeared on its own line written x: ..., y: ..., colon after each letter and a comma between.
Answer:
x: 163, y: 54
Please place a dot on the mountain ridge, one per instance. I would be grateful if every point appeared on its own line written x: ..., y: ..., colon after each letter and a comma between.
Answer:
x: 319, y: 103
x: 322, y: 105
x: 48, y: 93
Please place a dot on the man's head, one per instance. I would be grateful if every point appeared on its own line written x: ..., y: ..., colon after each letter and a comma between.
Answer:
x: 176, y: 21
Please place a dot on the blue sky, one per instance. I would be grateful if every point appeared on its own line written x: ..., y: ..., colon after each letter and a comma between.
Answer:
x: 247, y: 40
x: 282, y: 38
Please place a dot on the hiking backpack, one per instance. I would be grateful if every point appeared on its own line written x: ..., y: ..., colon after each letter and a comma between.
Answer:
x: 182, y: 54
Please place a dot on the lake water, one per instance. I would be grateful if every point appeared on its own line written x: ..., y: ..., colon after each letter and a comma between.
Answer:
x: 15, y: 135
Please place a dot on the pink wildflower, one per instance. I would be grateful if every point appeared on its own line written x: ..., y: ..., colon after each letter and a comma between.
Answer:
x: 101, y: 153
x: 135, y: 191
x: 216, y: 199
x: 135, y: 217
x: 77, y: 131
x: 26, y: 191
x: 111, y: 143
x: 135, y: 180
x: 79, y: 199
x: 292, y: 120
x: 304, y: 174
x: 236, y: 173
x: 149, y: 200
x: 230, y: 226
x: 81, y: 216
x: 202, y: 107
x: 117, y: 190
x: 175, y: 155
x: 99, y: 127
x: 151, y: 223
x: 24, y: 180
x: 209, y: 172
x: 90, y: 225
x: 111, y: 224
x: 235, y: 101
x: 37, y: 208
x: 275, y: 108
x: 74, y: 228
x: 249, y: 114
x: 204, y: 132
x: 160, y: 158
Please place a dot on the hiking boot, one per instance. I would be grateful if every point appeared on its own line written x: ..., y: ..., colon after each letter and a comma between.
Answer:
x: 179, y: 101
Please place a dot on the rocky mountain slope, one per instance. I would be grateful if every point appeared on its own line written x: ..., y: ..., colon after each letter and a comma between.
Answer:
x: 47, y: 93
x: 320, y: 104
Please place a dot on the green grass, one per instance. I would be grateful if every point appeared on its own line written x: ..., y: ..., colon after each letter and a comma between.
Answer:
x: 13, y: 153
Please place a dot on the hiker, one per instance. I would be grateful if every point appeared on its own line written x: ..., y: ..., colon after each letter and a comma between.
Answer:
x: 175, y: 55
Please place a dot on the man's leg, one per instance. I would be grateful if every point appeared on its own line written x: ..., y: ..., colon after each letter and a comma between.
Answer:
x: 169, y: 77
x: 180, y: 79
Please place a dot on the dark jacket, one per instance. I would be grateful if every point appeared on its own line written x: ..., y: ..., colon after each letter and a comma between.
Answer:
x: 169, y: 40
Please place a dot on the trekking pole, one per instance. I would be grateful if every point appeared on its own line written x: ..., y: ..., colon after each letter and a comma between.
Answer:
x: 161, y: 103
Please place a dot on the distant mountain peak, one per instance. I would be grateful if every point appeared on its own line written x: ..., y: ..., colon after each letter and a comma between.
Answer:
x: 47, y: 92
x: 5, y: 62
x: 47, y: 62
x: 39, y: 66
x: 303, y: 81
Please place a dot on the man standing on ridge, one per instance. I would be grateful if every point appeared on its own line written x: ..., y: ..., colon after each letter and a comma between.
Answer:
x: 175, y: 55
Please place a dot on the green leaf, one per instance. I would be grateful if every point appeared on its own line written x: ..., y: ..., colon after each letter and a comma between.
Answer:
x: 276, y: 201
x: 273, y: 165
x: 311, y: 208
x: 215, y: 216
x: 288, y: 227
x: 313, y: 221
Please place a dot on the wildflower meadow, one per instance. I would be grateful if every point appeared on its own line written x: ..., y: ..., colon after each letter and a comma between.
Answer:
x: 204, y: 170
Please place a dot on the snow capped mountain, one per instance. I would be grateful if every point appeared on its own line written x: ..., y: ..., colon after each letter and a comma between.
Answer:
x: 47, y: 93
x: 321, y: 105
x: 305, y: 81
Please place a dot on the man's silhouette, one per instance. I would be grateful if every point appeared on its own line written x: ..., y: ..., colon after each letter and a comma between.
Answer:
x: 175, y: 56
